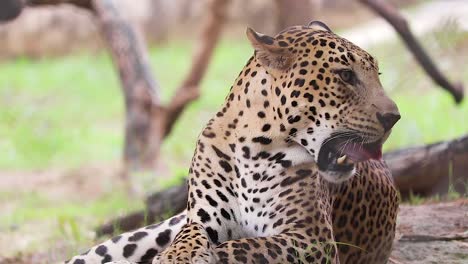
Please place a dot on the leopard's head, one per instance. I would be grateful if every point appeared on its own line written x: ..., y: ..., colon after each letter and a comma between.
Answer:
x: 329, y: 96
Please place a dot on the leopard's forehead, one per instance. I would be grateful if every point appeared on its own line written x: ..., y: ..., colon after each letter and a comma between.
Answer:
x: 300, y: 39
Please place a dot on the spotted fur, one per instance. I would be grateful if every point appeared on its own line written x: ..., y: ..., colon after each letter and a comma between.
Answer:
x: 256, y: 193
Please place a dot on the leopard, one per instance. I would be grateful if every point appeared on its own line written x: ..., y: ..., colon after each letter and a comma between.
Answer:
x: 289, y: 170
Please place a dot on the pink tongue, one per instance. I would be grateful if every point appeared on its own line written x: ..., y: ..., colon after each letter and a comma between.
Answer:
x: 359, y: 152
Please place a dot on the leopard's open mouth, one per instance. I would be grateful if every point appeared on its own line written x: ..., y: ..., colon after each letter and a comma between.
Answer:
x: 341, y: 151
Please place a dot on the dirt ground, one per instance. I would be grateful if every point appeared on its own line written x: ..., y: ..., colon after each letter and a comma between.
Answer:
x: 80, y: 185
x: 432, y: 233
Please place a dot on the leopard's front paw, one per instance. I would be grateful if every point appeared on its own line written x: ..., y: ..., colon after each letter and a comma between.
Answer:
x: 196, y: 257
x: 206, y: 257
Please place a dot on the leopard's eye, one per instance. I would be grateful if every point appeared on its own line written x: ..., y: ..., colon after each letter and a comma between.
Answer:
x: 348, y: 76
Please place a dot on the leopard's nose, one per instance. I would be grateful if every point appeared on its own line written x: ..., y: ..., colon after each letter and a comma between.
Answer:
x: 388, y: 120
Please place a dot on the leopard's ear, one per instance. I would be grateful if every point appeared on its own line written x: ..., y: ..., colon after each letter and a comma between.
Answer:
x: 319, y: 25
x: 269, y: 52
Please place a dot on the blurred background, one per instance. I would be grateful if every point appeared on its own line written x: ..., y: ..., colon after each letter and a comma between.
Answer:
x: 62, y: 110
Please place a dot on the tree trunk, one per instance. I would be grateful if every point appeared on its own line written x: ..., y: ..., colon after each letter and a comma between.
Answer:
x: 294, y: 12
x: 147, y: 121
x: 138, y: 85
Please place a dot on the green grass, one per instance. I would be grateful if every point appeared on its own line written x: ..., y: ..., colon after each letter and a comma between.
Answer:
x: 69, y: 111
x: 38, y: 207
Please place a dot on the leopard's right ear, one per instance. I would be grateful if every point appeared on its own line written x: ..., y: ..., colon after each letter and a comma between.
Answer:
x: 319, y: 25
x: 269, y: 52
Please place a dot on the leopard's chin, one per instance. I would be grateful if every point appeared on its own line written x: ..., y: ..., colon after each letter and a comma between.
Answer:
x: 337, y: 176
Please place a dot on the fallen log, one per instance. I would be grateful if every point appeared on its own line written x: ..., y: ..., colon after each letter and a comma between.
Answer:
x: 424, y: 170
x: 158, y: 206
x: 431, y: 169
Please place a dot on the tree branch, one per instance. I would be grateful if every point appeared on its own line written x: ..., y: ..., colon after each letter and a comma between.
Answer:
x: 209, y: 37
x: 399, y: 23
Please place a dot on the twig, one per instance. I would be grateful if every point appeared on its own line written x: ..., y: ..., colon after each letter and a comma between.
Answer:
x: 428, y: 238
x: 80, y: 3
x: 394, y: 261
x: 399, y: 23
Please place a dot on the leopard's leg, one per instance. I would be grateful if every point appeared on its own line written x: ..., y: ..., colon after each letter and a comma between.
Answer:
x: 191, y: 245
x: 290, y: 235
x: 293, y: 246
x: 364, y: 215
x: 138, y: 246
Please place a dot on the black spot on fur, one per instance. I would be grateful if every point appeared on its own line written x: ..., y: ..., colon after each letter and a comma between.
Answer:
x: 213, y: 234
x: 204, y: 216
x: 291, y: 180
x: 128, y: 250
x: 107, y: 258
x: 299, y: 82
x: 164, y: 237
x: 116, y: 239
x: 137, y: 236
x: 262, y: 140
x: 149, y: 255
x: 266, y: 127
x: 225, y: 165
x: 208, y: 134
x: 221, y: 154
x: 225, y: 214
x: 101, y: 250
x: 318, y: 54
x: 222, y: 196
x: 176, y: 220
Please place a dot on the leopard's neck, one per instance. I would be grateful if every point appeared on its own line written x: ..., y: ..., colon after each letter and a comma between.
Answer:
x: 249, y: 132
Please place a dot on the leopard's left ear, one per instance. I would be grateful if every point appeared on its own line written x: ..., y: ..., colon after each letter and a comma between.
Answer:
x: 269, y: 51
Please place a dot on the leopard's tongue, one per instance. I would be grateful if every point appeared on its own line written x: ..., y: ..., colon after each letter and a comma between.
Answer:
x: 361, y: 152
